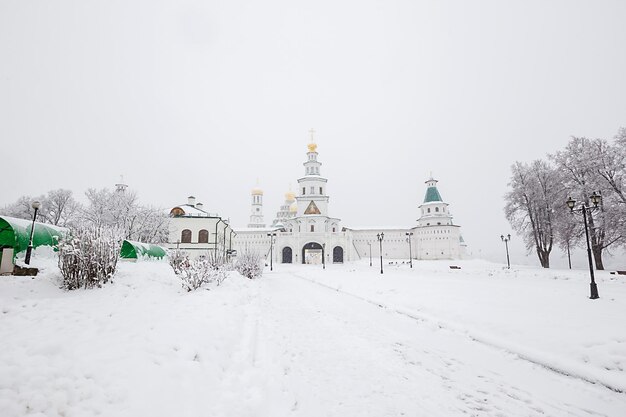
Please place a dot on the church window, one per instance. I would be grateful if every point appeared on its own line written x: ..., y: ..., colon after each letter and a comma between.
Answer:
x: 185, y: 236
x: 258, y: 209
x: 429, y: 209
x: 437, y: 209
x: 312, y: 190
x: 203, y: 236
x: 439, y: 223
x: 303, y: 190
x: 333, y: 230
x: 312, y: 227
x: 321, y: 191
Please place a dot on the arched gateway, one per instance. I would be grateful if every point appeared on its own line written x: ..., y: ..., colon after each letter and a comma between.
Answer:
x: 312, y: 253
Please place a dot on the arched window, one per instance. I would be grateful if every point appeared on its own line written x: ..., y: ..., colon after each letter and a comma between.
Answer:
x: 185, y: 236
x: 429, y: 209
x: 437, y: 209
x: 203, y: 236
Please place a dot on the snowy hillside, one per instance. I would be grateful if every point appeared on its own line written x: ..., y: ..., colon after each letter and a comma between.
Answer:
x: 302, y: 341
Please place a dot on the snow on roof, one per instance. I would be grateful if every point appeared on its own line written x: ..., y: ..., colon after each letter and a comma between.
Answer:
x: 192, y: 211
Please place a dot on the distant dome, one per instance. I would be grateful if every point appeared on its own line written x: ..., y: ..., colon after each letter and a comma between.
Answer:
x: 257, y: 191
x: 312, y: 147
x: 293, y: 208
x: 290, y: 196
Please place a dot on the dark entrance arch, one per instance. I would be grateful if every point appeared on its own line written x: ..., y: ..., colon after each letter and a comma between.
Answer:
x: 338, y: 255
x: 312, y: 253
x: 287, y: 254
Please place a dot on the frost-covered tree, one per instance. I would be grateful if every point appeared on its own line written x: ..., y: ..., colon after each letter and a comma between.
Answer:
x: 121, y: 210
x: 22, y: 208
x: 568, y: 231
x: 589, y: 166
x: 195, y: 273
x: 530, y: 206
x: 249, y: 264
x: 58, y: 207
x: 88, y: 257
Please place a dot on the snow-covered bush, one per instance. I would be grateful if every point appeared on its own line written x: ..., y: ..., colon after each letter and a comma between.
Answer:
x: 208, y: 269
x: 88, y: 257
x: 249, y: 264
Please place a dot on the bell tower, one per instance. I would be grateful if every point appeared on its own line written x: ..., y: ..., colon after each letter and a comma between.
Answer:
x: 256, y: 215
x: 312, y: 198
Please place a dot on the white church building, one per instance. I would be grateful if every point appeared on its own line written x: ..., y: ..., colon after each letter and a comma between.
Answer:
x: 304, y: 232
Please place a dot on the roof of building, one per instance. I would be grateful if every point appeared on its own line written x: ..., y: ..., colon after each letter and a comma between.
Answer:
x: 432, y: 195
x: 191, y: 211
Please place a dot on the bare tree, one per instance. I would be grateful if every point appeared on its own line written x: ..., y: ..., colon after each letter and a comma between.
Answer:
x: 530, y: 206
x: 587, y: 166
x: 121, y: 210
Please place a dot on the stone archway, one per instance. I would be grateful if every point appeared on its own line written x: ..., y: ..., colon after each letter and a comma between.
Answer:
x: 338, y: 255
x: 287, y: 255
x: 312, y: 253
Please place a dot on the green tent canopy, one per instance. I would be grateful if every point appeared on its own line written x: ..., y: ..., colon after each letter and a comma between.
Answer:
x: 136, y: 250
x: 15, y: 233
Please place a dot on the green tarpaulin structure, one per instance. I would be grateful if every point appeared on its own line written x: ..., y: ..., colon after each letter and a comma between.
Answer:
x: 138, y: 250
x: 15, y: 233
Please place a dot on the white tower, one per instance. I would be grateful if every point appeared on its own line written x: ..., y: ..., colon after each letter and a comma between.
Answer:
x: 312, y: 198
x: 433, y: 211
x: 256, y: 215
x: 287, y: 210
x: 121, y: 187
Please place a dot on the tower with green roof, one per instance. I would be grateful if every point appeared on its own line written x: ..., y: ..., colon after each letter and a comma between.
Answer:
x: 433, y: 211
x: 436, y: 237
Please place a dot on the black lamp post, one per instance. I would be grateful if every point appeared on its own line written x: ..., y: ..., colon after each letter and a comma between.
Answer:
x: 595, y: 199
x: 506, y: 239
x: 29, y: 249
x: 370, y: 243
x: 323, y: 255
x: 409, y: 234
x: 380, y: 237
x: 272, y: 236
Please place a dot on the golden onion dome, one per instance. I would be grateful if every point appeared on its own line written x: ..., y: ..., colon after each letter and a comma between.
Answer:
x: 293, y: 208
x: 257, y: 191
x: 312, y: 147
x: 290, y: 196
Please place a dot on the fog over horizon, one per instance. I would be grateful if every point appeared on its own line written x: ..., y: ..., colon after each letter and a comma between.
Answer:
x: 204, y: 98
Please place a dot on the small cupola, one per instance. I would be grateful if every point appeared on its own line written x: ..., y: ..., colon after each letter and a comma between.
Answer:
x: 191, y: 200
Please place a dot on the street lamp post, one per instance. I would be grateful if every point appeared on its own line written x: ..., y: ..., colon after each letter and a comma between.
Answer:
x: 272, y: 236
x: 571, y: 203
x: 370, y: 243
x: 29, y: 249
x: 409, y: 234
x: 380, y: 237
x: 506, y: 239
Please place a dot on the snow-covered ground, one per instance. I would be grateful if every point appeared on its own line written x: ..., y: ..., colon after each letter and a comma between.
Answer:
x: 302, y: 341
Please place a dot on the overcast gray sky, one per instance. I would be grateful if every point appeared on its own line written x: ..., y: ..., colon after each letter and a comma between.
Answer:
x: 204, y: 97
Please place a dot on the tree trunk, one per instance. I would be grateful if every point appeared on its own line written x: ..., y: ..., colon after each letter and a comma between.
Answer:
x: 569, y: 256
x: 597, y: 258
x: 544, y: 257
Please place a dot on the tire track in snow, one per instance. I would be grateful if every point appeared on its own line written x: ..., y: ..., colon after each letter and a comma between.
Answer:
x: 474, y: 336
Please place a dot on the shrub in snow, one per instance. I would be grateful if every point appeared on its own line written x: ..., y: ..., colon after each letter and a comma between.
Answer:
x: 208, y: 269
x: 88, y: 257
x: 249, y: 264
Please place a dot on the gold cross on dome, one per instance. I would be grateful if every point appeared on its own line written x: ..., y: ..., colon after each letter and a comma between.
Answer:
x: 312, y: 132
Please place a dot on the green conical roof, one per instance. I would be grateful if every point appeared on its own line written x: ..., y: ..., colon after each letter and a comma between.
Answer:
x: 432, y: 194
